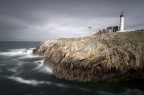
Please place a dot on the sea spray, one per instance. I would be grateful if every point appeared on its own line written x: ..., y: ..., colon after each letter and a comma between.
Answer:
x: 41, y: 67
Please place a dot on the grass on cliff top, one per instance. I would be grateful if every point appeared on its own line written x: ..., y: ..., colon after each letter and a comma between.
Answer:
x: 137, y: 36
x: 134, y: 37
x: 119, y: 38
x: 77, y: 39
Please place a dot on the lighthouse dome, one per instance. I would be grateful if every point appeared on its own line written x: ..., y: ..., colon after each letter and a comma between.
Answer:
x: 122, y: 14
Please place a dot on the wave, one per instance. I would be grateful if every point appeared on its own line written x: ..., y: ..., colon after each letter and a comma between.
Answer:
x: 34, y: 82
x: 47, y: 69
x: 11, y: 53
x: 42, y: 68
x: 21, y: 53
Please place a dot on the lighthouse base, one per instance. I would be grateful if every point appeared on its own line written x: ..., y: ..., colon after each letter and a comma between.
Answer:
x: 121, y: 31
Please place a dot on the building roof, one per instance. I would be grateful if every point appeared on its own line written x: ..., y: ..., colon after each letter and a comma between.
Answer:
x: 122, y: 14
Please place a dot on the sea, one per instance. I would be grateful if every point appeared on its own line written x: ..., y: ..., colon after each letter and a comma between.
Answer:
x: 22, y: 73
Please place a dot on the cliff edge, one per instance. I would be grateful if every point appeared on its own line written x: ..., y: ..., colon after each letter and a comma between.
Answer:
x: 112, y: 56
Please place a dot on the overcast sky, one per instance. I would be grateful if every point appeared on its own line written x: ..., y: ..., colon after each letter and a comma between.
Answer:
x: 38, y: 20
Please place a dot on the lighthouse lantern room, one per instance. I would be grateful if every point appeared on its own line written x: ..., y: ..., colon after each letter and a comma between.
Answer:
x: 122, y: 21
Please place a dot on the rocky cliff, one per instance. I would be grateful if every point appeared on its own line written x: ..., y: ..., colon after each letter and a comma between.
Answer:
x: 113, y: 56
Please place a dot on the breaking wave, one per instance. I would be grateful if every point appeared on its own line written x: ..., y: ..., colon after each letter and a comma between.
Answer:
x: 42, y: 68
x: 21, y: 53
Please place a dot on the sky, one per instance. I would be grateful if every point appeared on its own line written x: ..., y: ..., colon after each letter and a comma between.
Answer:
x: 40, y: 20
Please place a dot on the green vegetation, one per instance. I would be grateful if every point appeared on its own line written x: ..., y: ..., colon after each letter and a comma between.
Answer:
x: 120, y: 38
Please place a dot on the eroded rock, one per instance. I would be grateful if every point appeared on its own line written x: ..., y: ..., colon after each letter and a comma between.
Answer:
x: 115, y: 56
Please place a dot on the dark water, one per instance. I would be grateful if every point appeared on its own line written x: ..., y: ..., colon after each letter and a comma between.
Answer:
x: 24, y: 74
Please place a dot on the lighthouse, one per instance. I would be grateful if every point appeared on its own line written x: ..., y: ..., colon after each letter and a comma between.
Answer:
x: 122, y: 22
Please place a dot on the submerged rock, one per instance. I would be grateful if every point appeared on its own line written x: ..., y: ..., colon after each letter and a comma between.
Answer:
x: 113, y: 56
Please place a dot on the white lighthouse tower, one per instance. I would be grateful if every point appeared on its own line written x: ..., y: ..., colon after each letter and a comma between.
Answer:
x: 122, y: 22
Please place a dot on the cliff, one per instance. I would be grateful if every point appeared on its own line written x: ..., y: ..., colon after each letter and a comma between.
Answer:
x: 112, y: 56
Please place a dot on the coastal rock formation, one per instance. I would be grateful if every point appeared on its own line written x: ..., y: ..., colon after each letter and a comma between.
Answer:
x: 112, y: 56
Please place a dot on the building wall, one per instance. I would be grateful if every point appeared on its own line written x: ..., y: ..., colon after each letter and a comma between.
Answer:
x: 109, y: 30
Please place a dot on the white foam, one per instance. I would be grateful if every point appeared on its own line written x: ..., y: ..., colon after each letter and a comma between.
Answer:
x: 34, y: 82
x: 21, y: 80
x: 22, y: 53
x: 40, y: 64
x: 11, y: 53
x: 42, y: 68
x: 14, y: 52
x: 46, y: 69
x: 40, y: 61
x: 29, y: 56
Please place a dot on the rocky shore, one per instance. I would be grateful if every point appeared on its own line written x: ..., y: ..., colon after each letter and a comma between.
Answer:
x: 112, y: 56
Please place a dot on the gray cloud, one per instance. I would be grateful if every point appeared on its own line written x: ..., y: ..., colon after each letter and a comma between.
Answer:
x: 51, y: 19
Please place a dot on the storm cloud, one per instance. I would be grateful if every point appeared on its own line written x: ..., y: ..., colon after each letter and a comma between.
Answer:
x: 37, y: 20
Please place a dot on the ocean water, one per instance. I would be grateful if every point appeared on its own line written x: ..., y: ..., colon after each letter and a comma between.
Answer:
x: 22, y: 73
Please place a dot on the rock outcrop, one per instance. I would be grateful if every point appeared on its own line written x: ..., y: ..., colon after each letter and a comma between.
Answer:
x: 112, y: 56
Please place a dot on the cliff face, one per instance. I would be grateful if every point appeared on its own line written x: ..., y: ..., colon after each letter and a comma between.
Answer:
x: 113, y: 56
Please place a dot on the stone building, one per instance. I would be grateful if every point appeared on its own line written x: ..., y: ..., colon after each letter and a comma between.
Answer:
x: 109, y: 30
x: 112, y: 29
